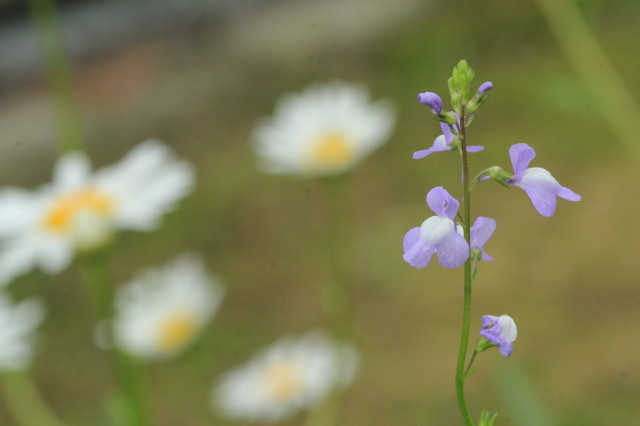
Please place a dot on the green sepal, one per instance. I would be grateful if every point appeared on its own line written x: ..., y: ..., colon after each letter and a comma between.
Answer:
x: 496, y: 173
x: 503, y: 183
x: 483, y: 344
x: 487, y: 418
x: 447, y: 117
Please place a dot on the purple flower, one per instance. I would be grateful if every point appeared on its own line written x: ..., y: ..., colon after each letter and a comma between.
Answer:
x: 437, y: 235
x: 500, y: 330
x: 443, y: 143
x: 540, y: 186
x: 485, y: 87
x: 481, y: 231
x: 431, y: 100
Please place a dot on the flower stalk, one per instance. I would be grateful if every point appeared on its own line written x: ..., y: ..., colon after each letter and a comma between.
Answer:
x: 466, y: 312
x: 130, y: 400
x: 463, y: 244
x: 336, y: 292
x: 58, y: 75
x: 24, y: 402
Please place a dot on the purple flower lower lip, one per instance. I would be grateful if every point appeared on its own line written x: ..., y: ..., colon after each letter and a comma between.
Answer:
x: 481, y: 231
x: 437, y: 235
x: 443, y: 143
x: 501, y: 331
x: 540, y: 186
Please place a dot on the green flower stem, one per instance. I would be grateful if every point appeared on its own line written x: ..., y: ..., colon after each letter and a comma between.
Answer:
x: 96, y: 274
x: 473, y: 358
x: 131, y: 412
x: 466, y: 313
x: 58, y: 75
x: 337, y: 298
x: 336, y: 294
x: 24, y: 402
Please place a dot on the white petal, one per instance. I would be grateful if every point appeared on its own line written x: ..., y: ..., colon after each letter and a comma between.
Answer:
x: 436, y: 228
x: 72, y: 171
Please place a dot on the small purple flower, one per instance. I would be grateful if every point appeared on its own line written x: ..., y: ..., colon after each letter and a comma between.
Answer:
x: 540, y: 186
x: 481, y: 231
x: 500, y: 330
x: 437, y: 235
x: 443, y: 143
x: 432, y: 100
x: 485, y: 87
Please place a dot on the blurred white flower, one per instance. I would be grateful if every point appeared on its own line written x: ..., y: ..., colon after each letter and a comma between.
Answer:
x: 80, y: 210
x: 162, y: 310
x: 325, y: 130
x: 293, y: 374
x: 17, y: 325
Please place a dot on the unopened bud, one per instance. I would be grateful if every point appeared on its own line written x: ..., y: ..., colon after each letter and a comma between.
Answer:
x: 431, y: 100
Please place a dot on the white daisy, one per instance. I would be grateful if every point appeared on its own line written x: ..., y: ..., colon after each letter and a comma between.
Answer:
x: 81, y: 210
x: 161, y: 311
x: 325, y: 130
x: 290, y: 375
x: 17, y: 325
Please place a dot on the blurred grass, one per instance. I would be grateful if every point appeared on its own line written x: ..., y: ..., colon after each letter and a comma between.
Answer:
x: 569, y: 282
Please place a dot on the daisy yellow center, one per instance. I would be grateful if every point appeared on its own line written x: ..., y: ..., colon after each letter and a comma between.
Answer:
x: 176, y: 330
x: 333, y: 151
x: 282, y: 380
x: 61, y: 214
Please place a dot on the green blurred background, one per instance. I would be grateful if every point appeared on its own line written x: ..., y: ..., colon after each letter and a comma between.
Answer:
x: 570, y: 282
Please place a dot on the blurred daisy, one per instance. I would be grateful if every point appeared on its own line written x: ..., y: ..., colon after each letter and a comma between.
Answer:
x: 80, y: 210
x: 161, y: 311
x: 290, y: 375
x: 17, y: 325
x: 325, y: 130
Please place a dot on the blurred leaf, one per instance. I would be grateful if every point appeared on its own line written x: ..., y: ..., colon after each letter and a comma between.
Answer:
x: 520, y: 397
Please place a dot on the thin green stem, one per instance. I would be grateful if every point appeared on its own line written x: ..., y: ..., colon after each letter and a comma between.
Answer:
x: 473, y: 358
x: 24, y: 402
x: 466, y: 313
x: 96, y: 274
x: 336, y: 293
x: 337, y: 298
x: 58, y: 75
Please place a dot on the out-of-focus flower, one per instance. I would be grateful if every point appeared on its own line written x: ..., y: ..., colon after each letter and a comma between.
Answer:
x: 540, y: 186
x: 481, y: 231
x: 80, y: 210
x: 325, y: 130
x: 293, y: 374
x: 501, y: 331
x: 162, y: 310
x: 437, y: 234
x: 17, y: 325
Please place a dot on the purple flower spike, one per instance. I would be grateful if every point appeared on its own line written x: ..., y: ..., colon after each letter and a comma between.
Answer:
x: 437, y: 235
x: 443, y: 143
x: 500, y: 330
x: 431, y: 100
x: 485, y: 87
x: 481, y: 231
x: 540, y: 186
